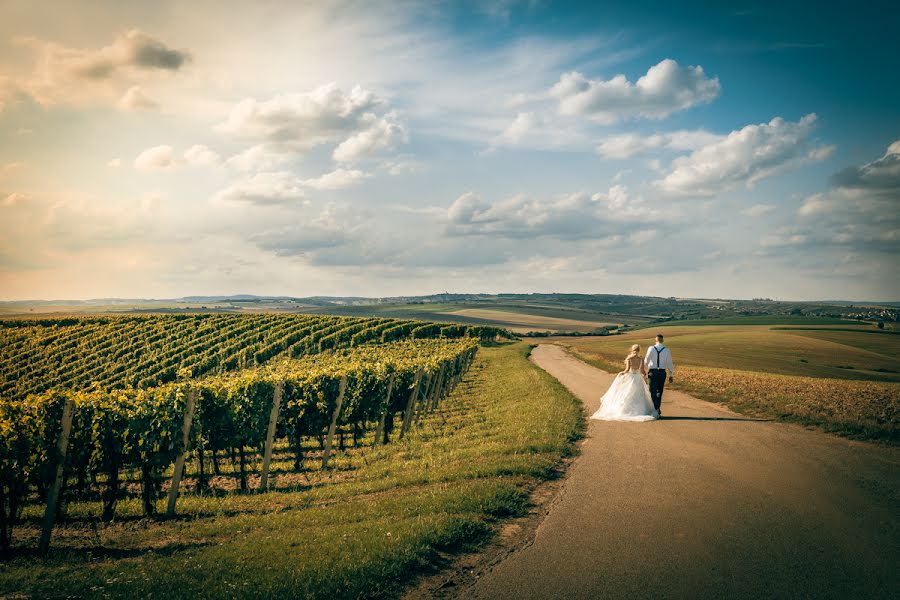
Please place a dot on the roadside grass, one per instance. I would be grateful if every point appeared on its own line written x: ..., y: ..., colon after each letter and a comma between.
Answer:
x: 863, y: 410
x: 364, y: 528
x: 830, y: 353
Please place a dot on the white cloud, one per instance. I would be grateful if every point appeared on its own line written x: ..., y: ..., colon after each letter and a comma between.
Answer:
x: 378, y: 134
x: 666, y: 88
x: 860, y: 215
x: 537, y: 130
x: 264, y: 189
x: 337, y: 179
x: 466, y: 208
x: 66, y: 75
x: 114, y: 163
x: 157, y: 157
x: 758, y: 210
x: 783, y: 238
x: 136, y: 99
x: 882, y: 174
x: 288, y: 125
x: 571, y: 216
x: 15, y: 198
x: 330, y: 228
x: 643, y: 236
x: 401, y: 167
x: 199, y: 155
x: 163, y: 157
x: 314, y: 116
x: 631, y: 144
x: 744, y: 157
x: 261, y: 157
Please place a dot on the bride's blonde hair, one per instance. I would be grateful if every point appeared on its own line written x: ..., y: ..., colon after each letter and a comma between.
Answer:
x: 635, y: 350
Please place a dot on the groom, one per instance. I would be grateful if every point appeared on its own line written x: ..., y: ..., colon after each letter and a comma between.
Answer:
x: 658, y: 361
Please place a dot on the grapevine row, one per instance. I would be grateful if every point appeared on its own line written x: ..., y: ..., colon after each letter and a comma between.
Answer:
x: 116, y: 430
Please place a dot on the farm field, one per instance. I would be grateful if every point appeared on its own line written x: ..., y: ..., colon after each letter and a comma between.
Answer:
x: 843, y: 381
x: 864, y: 353
x: 378, y: 516
x: 524, y: 322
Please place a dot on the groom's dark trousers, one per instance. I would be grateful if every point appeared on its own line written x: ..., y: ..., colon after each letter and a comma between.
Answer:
x: 657, y: 383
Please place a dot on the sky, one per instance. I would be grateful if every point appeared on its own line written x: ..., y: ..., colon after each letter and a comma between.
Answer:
x: 695, y: 149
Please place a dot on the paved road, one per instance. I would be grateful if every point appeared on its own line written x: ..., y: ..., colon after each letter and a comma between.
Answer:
x: 705, y: 503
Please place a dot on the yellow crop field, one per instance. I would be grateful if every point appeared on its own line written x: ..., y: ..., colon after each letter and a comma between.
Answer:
x: 522, y: 322
x: 837, y: 354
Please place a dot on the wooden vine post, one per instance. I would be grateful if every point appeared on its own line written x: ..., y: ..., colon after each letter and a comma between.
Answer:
x: 439, y: 391
x: 62, y: 446
x: 423, y: 399
x: 387, y: 403
x: 270, y: 436
x: 179, y: 460
x: 407, y: 414
x: 334, y: 417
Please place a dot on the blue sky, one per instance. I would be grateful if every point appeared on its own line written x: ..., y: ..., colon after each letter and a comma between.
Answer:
x: 697, y: 149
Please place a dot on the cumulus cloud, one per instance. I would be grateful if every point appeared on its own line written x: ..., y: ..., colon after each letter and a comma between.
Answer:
x: 136, y: 99
x: 860, y: 215
x: 378, y: 134
x: 114, y: 163
x: 264, y: 189
x: 337, y: 179
x: 281, y: 187
x: 157, y: 157
x: 758, y: 210
x: 401, y: 167
x: 261, y: 157
x: 852, y: 217
x: 666, y: 88
x: 572, y: 216
x: 882, y: 174
x: 199, y: 155
x: 631, y: 144
x: 65, y: 75
x: 744, y: 157
x: 332, y: 226
x: 290, y: 124
x: 537, y: 130
x: 164, y: 157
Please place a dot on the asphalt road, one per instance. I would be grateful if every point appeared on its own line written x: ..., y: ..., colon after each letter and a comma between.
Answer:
x: 706, y: 503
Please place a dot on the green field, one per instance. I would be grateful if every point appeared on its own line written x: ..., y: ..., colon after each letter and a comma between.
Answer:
x: 366, y: 527
x: 865, y: 353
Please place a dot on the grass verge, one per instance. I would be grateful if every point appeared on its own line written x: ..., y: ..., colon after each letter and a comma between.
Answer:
x: 381, y: 517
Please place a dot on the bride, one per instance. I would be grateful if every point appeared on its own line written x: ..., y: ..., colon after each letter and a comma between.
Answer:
x: 628, y: 398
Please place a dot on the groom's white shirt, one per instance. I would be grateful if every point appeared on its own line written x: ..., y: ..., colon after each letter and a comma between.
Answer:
x: 665, y: 359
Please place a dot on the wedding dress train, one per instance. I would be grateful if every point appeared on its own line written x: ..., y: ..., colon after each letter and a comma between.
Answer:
x: 627, y: 399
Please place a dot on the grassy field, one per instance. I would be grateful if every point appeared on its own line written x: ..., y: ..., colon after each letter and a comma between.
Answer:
x: 523, y: 322
x: 365, y: 527
x: 864, y: 354
x: 765, y: 320
x: 843, y: 381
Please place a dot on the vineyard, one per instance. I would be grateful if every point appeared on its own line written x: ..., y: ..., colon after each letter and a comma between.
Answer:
x: 107, y: 408
x: 146, y: 351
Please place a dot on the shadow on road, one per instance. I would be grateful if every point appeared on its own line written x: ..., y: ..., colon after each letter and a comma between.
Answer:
x: 713, y: 419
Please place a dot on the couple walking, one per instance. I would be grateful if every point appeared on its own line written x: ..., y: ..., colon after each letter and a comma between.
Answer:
x: 629, y: 398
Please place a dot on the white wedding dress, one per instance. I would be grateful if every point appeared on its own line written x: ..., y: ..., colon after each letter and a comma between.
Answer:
x: 627, y: 399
